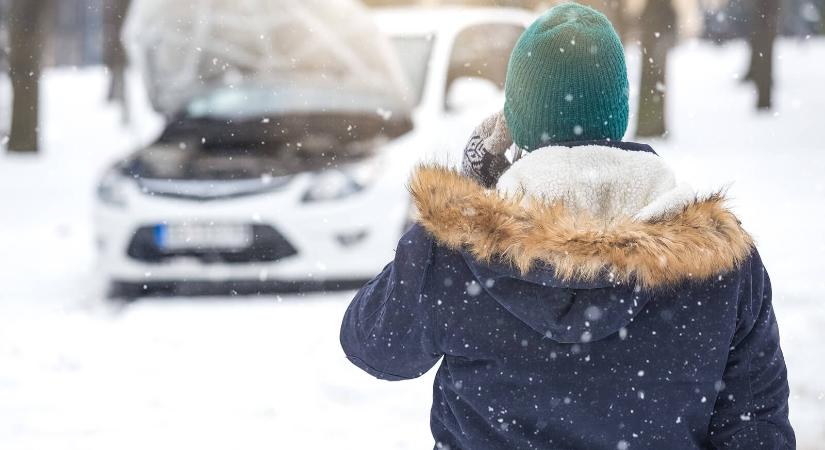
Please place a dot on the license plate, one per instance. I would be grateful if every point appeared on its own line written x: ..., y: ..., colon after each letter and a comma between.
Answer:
x: 193, y: 236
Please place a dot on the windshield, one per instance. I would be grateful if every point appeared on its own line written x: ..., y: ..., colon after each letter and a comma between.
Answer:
x: 265, y: 101
x: 414, y: 55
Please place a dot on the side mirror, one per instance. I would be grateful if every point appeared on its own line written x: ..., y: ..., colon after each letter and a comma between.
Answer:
x: 467, y: 93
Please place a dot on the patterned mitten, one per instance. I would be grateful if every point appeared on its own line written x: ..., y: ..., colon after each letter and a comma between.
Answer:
x: 484, y: 159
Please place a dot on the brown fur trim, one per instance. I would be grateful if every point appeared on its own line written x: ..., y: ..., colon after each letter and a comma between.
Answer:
x: 701, y: 241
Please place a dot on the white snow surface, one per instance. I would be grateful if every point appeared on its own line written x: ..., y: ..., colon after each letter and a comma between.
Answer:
x: 264, y: 373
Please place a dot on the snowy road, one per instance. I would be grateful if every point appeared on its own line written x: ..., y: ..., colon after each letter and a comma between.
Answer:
x: 198, y: 374
x: 76, y: 373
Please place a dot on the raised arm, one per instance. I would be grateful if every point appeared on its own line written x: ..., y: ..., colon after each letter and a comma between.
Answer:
x: 388, y: 329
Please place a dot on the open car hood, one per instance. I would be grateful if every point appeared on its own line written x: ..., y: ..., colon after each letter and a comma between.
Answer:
x: 221, y: 151
x: 185, y: 48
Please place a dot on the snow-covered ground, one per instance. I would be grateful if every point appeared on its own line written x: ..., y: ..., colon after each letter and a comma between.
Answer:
x: 252, y: 373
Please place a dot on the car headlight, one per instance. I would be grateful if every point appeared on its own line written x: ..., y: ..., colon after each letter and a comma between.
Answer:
x: 111, y: 189
x: 341, y: 182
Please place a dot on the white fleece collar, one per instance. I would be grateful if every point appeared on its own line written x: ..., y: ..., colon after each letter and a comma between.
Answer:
x: 605, y: 182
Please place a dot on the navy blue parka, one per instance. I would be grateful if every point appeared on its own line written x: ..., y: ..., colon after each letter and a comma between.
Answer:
x: 555, y: 333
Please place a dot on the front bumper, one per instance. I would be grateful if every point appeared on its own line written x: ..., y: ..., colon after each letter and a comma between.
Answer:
x: 328, y: 242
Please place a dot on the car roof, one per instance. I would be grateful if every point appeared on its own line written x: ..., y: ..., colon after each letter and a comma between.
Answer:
x: 435, y: 20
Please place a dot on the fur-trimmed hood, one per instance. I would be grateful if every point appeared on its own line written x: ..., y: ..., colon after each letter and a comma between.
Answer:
x: 642, y: 232
x: 516, y: 291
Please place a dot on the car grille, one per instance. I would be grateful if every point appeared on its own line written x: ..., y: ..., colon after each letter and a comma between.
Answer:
x: 205, y: 190
x: 267, y: 245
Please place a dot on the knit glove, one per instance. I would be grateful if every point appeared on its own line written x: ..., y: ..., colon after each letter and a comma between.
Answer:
x: 484, y: 160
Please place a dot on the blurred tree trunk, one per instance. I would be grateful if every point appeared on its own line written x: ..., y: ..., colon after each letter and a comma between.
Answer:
x: 762, y: 36
x: 658, y: 36
x: 618, y: 17
x: 114, y: 55
x: 26, y: 42
x: 615, y: 12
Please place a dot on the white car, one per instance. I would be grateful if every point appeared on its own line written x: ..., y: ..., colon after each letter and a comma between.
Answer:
x: 304, y: 195
x: 456, y: 59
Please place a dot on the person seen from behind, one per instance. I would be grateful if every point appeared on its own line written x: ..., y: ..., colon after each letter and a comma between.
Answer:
x: 578, y: 297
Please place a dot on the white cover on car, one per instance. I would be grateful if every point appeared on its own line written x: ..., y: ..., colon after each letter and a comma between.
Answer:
x: 184, y: 47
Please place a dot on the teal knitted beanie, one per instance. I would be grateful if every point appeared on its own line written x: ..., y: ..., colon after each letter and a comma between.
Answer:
x: 567, y: 80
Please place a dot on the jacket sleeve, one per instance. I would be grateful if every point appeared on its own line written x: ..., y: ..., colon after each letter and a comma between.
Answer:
x: 751, y: 410
x: 388, y: 329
